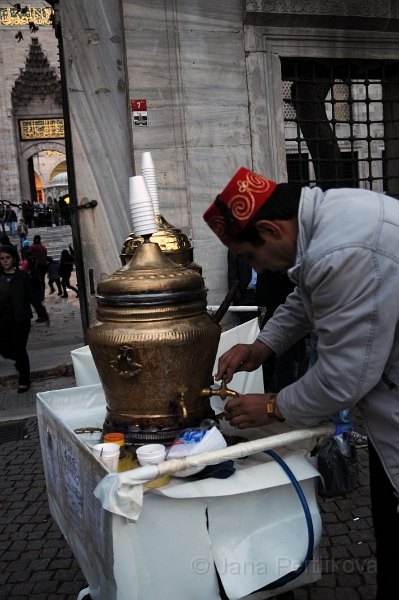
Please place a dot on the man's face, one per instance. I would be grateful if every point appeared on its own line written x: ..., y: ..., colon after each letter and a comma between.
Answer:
x: 278, y: 250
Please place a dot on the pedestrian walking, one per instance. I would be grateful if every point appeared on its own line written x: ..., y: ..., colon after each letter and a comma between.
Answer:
x: 56, y: 213
x: 53, y: 275
x: 17, y: 294
x: 65, y: 270
x: 11, y: 219
x: 27, y: 212
x: 24, y: 249
x: 22, y: 231
x: 3, y: 219
x: 40, y: 253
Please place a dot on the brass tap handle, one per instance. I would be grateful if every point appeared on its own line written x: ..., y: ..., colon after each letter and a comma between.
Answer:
x: 223, y: 392
x: 182, y: 390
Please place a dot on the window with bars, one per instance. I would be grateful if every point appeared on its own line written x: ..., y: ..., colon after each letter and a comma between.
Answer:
x: 298, y: 168
x: 345, y: 116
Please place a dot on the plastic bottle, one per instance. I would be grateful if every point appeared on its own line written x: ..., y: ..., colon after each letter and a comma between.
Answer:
x: 341, y: 442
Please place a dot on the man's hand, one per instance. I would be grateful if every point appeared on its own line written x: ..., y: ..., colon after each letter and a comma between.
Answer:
x: 242, y: 357
x: 247, y: 411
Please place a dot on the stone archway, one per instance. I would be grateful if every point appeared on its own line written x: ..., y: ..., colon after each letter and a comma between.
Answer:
x: 30, y: 150
x: 36, y: 100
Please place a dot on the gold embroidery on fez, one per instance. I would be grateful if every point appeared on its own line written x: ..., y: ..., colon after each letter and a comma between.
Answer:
x: 259, y: 183
x: 218, y: 226
x: 242, y: 206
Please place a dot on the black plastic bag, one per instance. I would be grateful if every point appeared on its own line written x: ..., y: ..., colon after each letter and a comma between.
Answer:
x: 339, y: 470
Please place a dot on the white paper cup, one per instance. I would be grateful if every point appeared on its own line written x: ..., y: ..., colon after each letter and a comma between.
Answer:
x: 151, y: 454
x: 141, y: 206
x: 146, y: 161
x: 109, y: 455
x: 143, y: 226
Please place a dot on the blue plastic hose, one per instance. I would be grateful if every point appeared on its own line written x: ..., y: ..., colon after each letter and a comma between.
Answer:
x: 294, y: 574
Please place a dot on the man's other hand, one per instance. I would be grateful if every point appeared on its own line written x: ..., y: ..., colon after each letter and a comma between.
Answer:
x: 246, y: 411
x: 242, y: 357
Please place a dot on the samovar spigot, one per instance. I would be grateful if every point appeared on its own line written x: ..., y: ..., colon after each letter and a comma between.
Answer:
x: 183, y: 410
x: 223, y: 392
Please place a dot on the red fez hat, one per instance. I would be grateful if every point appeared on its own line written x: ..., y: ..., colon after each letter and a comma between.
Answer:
x: 239, y: 202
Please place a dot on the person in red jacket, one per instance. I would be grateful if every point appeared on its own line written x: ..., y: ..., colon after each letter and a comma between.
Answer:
x: 40, y: 253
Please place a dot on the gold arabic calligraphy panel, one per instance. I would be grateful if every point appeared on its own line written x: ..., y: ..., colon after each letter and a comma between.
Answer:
x: 9, y: 17
x: 41, y: 129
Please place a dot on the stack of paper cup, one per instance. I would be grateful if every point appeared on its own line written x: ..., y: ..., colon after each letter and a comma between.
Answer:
x: 141, y: 207
x: 109, y: 455
x: 148, y: 172
x: 151, y: 454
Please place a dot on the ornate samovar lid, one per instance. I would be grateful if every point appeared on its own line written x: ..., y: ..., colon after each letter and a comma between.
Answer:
x: 150, y: 278
x: 172, y: 241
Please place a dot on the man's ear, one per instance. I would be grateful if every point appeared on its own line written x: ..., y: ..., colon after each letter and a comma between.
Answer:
x: 267, y: 229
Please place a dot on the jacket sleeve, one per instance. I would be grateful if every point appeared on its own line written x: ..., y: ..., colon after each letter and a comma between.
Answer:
x: 288, y: 324
x: 355, y: 314
x: 34, y: 298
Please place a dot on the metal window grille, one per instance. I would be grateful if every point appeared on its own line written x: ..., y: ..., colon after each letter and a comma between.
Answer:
x: 345, y: 116
x: 298, y: 168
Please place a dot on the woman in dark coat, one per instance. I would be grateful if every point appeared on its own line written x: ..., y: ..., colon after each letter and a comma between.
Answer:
x: 65, y: 270
x: 16, y: 295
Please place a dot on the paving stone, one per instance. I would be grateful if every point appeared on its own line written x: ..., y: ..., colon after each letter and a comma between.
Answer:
x: 328, y: 517
x: 368, y: 592
x: 322, y: 594
x: 328, y: 580
x: 346, y: 594
x: 336, y: 529
x: 344, y: 515
x: 19, y: 576
x: 22, y: 589
x: 41, y: 576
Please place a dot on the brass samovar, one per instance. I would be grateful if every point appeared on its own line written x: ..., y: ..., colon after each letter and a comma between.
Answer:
x: 154, y: 346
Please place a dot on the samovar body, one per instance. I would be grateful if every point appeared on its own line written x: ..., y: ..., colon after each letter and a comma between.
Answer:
x: 154, y: 346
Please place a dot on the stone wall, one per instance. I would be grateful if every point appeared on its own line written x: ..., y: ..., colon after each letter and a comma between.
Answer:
x: 187, y: 60
x: 211, y: 75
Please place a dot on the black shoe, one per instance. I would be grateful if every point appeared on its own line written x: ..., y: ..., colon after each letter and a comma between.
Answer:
x: 22, y: 390
x: 59, y: 294
x: 42, y: 320
x: 64, y: 296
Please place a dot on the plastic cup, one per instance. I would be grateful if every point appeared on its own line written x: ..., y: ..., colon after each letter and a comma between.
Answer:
x: 108, y: 455
x: 140, y: 212
x: 146, y: 161
x: 141, y: 206
x: 144, y: 226
x: 151, y: 454
x: 138, y: 190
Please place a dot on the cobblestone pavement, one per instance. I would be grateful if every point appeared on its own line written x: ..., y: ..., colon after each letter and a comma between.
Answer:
x: 35, y: 559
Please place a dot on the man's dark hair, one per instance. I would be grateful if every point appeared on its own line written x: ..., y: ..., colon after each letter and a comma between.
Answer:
x: 282, y: 205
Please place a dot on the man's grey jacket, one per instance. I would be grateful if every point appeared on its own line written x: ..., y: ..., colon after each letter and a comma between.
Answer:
x: 347, y: 273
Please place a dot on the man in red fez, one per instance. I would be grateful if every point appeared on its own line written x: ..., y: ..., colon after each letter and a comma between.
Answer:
x: 341, y: 249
